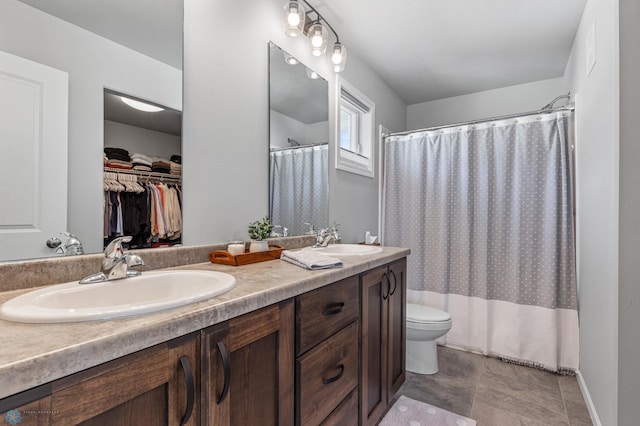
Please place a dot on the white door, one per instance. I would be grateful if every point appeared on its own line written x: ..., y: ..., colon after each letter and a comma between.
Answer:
x: 33, y: 156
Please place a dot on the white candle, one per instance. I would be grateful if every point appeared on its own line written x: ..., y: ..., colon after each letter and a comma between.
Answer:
x: 235, y: 247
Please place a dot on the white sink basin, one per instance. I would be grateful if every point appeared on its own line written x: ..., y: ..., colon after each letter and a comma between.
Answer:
x: 151, y: 292
x: 338, y: 250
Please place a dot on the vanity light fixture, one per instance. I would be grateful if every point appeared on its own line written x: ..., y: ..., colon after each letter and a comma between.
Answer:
x: 296, y: 21
x: 141, y: 106
x: 294, y: 18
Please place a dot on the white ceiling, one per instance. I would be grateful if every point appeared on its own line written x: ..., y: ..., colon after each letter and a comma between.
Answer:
x: 423, y: 49
x: 433, y: 49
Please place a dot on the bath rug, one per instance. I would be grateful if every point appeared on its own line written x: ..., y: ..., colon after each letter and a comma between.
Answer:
x: 409, y: 412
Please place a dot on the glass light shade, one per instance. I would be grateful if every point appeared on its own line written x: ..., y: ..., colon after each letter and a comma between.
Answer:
x: 338, y: 57
x: 142, y: 106
x: 312, y: 74
x: 293, y: 18
x: 317, y: 36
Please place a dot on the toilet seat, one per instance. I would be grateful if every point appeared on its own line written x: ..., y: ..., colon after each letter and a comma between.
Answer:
x: 421, y: 314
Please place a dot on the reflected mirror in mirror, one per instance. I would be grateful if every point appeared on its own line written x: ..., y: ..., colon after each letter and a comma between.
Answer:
x: 142, y: 172
x: 131, y: 47
x: 298, y: 142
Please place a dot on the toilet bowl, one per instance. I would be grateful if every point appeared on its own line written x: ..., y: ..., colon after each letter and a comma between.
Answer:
x: 424, y: 326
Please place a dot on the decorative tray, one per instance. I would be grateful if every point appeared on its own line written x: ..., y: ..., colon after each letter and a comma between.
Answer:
x: 225, y: 258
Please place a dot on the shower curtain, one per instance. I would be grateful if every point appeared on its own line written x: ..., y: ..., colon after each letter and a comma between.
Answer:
x: 488, y: 213
x: 299, y: 187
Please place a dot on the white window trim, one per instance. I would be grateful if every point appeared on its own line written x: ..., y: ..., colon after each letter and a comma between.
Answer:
x: 347, y: 160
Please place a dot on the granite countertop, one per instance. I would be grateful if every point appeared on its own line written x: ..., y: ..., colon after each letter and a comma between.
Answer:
x: 34, y: 354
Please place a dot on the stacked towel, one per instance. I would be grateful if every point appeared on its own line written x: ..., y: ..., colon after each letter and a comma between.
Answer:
x: 161, y: 165
x: 141, y: 162
x: 176, y: 169
x: 310, y: 259
x: 118, y: 158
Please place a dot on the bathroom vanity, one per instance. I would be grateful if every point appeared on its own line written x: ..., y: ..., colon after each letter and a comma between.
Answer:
x: 285, y: 346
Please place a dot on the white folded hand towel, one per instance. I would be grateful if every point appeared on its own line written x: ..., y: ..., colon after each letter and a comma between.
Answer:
x: 309, y: 259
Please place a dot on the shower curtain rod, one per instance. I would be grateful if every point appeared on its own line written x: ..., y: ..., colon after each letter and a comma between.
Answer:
x: 546, y: 109
x: 310, y: 145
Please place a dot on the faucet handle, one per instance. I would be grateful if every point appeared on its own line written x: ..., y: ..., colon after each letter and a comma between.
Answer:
x: 114, y: 248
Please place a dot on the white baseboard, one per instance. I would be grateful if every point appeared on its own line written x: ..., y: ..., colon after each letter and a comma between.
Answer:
x: 587, y: 399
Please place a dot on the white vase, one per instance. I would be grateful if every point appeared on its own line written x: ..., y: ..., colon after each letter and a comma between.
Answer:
x: 256, y: 246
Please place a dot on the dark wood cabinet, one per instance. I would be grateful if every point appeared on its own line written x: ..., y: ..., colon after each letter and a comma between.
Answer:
x: 327, y: 366
x: 247, y: 369
x: 157, y: 386
x: 383, y: 295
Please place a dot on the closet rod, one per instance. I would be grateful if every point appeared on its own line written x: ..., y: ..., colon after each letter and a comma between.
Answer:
x: 570, y: 107
x: 143, y: 174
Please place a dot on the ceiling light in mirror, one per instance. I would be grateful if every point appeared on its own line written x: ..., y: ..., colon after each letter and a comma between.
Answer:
x: 290, y: 59
x: 142, y: 106
x: 294, y: 18
x: 312, y: 74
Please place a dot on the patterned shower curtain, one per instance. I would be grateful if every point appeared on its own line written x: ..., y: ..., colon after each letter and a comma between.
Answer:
x: 488, y: 213
x: 299, y: 187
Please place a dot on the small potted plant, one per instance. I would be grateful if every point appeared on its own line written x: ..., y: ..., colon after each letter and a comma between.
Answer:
x: 259, y: 231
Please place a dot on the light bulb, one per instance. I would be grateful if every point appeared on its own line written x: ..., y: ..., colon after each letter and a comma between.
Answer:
x: 293, y: 18
x: 141, y: 106
x: 317, y: 37
x: 338, y: 57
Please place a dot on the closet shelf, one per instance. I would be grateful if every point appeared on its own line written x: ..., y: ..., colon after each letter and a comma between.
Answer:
x: 142, y: 174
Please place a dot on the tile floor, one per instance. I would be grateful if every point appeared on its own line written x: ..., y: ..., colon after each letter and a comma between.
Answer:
x: 496, y: 393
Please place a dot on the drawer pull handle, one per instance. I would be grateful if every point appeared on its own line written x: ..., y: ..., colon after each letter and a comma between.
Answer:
x: 191, y: 388
x: 332, y: 309
x: 227, y: 370
x: 336, y: 377
x: 385, y: 296
x: 395, y: 282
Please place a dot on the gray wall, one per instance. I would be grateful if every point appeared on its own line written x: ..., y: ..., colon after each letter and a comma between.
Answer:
x: 490, y: 103
x: 629, y: 267
x: 140, y: 140
x: 225, y: 121
x: 597, y: 119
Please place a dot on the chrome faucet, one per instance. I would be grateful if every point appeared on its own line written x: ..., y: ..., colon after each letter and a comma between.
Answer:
x: 326, y: 235
x: 71, y: 247
x: 116, y: 263
x: 284, y: 233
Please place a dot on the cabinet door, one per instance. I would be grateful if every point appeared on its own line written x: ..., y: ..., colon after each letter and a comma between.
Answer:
x: 373, y: 390
x: 157, y: 386
x: 397, y: 342
x: 248, y: 369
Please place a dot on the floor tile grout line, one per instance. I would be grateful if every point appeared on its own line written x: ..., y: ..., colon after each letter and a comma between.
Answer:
x: 564, y: 403
x: 475, y: 389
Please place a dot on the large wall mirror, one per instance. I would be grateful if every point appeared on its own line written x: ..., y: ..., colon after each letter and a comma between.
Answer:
x: 130, y: 47
x: 298, y: 145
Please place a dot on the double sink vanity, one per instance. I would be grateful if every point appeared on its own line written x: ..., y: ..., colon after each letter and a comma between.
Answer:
x: 268, y: 343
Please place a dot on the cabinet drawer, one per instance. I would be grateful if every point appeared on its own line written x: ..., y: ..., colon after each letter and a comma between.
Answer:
x: 321, y: 312
x: 347, y: 412
x: 326, y: 375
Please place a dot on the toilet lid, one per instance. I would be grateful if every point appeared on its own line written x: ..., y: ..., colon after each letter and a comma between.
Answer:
x: 421, y: 313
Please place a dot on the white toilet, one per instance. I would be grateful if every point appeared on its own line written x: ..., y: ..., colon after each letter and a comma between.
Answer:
x: 424, y: 326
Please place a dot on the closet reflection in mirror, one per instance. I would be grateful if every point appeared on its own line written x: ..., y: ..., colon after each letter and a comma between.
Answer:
x: 298, y: 139
x: 142, y: 172
x: 132, y: 47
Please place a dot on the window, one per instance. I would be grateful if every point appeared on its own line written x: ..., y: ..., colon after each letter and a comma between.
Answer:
x: 355, y: 130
